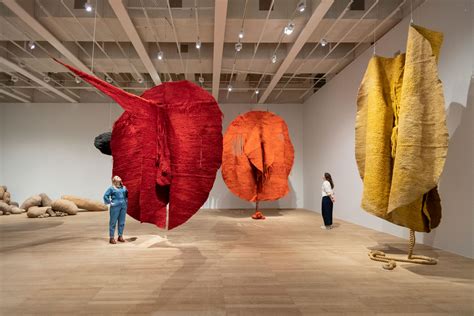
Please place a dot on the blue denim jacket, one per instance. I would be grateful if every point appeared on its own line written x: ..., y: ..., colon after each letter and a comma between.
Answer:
x: 116, y: 196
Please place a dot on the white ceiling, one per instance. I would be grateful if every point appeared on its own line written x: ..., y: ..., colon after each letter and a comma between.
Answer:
x: 129, y: 56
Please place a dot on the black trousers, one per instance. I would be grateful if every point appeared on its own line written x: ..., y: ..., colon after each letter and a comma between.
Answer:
x: 326, y: 209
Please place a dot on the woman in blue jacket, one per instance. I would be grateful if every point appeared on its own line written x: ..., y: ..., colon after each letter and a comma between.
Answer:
x: 117, y: 197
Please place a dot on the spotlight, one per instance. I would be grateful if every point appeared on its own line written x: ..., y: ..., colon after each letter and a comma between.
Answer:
x: 241, y: 34
x: 108, y: 79
x: 198, y: 43
x: 88, y: 6
x: 289, y: 28
x: 301, y: 6
x: 22, y: 64
x: 201, y: 79
x: 31, y: 45
x: 14, y: 78
x: 140, y: 80
x: 160, y: 55
x: 238, y: 46
x: 274, y: 58
x: 78, y: 80
x: 323, y: 42
x: 257, y: 91
x: 229, y: 88
x: 46, y: 79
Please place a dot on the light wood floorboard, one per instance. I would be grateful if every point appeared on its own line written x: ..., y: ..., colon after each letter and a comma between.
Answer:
x: 220, y: 263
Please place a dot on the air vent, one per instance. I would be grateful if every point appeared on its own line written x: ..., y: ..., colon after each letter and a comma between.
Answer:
x: 321, y: 82
x: 184, y: 48
x: 176, y: 3
x: 264, y: 5
x: 358, y: 5
x: 79, y: 4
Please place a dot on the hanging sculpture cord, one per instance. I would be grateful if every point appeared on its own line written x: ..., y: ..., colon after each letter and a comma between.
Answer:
x: 257, y: 157
x: 401, y: 136
x: 166, y: 147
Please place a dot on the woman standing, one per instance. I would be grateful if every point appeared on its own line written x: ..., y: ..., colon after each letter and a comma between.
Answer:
x: 117, y: 197
x: 328, y: 200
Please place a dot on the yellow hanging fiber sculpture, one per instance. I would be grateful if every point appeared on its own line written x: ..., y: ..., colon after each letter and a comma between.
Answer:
x: 401, y: 134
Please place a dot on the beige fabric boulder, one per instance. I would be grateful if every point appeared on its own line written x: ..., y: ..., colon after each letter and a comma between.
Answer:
x: 4, y: 207
x: 7, y: 197
x: 16, y: 210
x: 34, y: 200
x: 2, y: 192
x: 88, y: 204
x: 37, y: 211
x: 65, y: 206
x: 45, y: 200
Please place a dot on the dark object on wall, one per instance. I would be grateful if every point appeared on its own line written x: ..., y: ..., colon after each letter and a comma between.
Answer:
x: 102, y: 143
x: 167, y: 148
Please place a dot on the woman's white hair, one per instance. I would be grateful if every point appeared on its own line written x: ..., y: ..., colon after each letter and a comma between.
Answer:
x: 116, y: 179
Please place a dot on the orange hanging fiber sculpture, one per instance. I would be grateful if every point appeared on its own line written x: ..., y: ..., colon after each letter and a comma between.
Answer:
x: 257, y: 157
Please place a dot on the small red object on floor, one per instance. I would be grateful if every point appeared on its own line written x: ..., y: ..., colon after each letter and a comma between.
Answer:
x: 258, y: 215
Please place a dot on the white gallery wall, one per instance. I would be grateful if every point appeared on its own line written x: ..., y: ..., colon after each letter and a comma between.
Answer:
x: 329, y: 118
x: 49, y: 148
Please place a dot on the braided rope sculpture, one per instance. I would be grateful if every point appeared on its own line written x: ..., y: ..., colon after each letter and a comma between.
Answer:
x: 257, y: 157
x: 166, y: 147
x: 401, y: 135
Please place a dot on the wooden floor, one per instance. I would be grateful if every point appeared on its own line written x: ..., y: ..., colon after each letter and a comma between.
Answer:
x: 220, y: 263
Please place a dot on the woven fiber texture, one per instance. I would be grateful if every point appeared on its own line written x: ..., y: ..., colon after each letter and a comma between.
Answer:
x: 257, y: 156
x: 166, y: 147
x: 401, y: 134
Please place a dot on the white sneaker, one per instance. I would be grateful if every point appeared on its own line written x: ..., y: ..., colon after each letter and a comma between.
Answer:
x: 324, y: 227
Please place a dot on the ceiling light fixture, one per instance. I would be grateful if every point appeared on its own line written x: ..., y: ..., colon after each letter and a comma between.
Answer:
x: 323, y: 42
x: 301, y: 6
x: 274, y: 58
x: 88, y: 6
x: 108, y: 79
x: 229, y: 88
x: 257, y: 91
x: 241, y: 34
x: 289, y: 28
x: 140, y: 80
x: 46, y: 79
x: 14, y: 78
x: 22, y: 64
x: 201, y: 79
x: 198, y: 43
x: 160, y: 55
x: 78, y: 80
x: 238, y: 46
x: 31, y: 45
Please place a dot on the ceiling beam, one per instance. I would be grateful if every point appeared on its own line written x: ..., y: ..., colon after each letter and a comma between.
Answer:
x: 313, y: 22
x: 44, y: 33
x: 129, y: 28
x: 220, y: 15
x: 5, y: 92
x: 25, y: 73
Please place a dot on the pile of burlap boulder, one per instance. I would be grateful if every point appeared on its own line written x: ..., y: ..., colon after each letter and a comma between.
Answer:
x: 40, y: 206
x: 7, y: 206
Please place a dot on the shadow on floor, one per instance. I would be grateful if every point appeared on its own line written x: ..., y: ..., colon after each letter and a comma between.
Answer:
x: 247, y: 213
x: 42, y: 242
x: 30, y: 225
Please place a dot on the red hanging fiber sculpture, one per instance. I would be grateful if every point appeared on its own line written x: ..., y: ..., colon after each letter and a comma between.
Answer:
x: 257, y: 157
x: 167, y: 148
